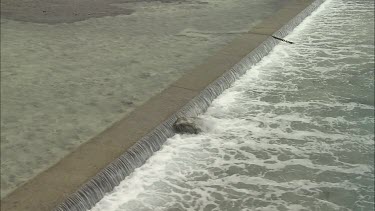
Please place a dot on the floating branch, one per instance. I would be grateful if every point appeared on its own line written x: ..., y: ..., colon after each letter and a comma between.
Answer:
x: 278, y: 38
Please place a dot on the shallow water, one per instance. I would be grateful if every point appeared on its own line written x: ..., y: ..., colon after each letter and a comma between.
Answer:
x: 296, y: 132
x: 62, y: 84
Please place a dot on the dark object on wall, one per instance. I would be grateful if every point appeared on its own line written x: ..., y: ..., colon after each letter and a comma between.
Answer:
x: 278, y: 38
x: 186, y: 125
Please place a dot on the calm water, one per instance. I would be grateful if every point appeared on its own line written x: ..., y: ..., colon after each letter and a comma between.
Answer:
x: 294, y: 133
x: 62, y: 84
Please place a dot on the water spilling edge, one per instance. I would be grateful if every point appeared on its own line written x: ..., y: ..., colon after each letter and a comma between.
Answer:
x: 94, y: 190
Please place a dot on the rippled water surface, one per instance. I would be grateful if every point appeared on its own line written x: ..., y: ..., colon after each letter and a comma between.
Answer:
x: 294, y: 133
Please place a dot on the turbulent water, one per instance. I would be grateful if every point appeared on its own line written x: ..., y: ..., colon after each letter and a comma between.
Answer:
x: 296, y: 132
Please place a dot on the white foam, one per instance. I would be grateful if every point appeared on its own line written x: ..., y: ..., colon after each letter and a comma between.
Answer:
x: 289, y: 135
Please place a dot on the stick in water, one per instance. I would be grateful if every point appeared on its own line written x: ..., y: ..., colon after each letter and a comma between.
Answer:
x: 278, y: 38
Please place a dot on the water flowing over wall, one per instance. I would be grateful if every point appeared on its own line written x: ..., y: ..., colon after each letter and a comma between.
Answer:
x: 94, y: 190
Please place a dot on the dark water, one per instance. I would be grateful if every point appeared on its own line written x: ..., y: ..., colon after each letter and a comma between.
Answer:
x: 294, y: 133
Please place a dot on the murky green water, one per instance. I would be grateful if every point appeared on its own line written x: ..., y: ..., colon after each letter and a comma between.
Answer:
x: 63, y: 84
